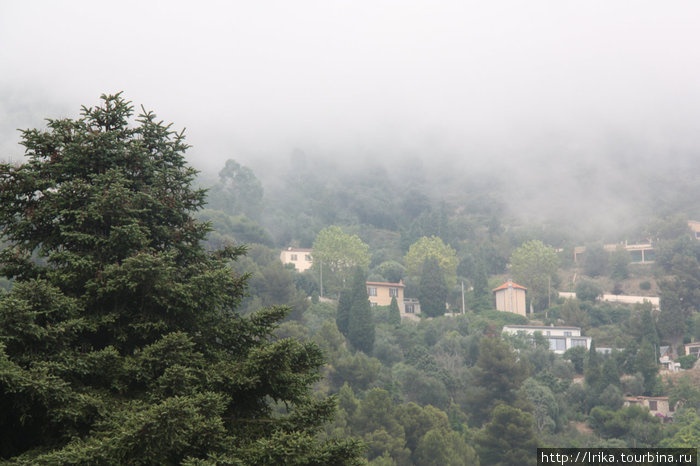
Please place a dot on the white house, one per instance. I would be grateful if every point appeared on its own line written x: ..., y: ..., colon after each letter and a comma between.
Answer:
x: 560, y: 338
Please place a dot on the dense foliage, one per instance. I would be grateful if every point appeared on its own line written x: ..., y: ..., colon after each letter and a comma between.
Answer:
x: 443, y: 390
x: 120, y: 342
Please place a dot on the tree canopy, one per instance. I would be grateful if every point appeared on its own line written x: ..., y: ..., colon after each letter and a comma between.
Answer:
x: 238, y: 192
x: 427, y: 247
x: 534, y: 264
x: 337, y: 252
x: 120, y: 337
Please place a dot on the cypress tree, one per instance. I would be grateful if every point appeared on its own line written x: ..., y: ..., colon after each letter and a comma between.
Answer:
x: 342, y: 317
x: 361, y: 323
x: 433, y: 289
x: 119, y: 341
x: 592, y: 368
x: 648, y: 365
x: 394, y: 313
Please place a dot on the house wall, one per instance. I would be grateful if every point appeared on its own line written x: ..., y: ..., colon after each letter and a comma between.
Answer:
x: 511, y: 300
x: 301, y: 258
x: 693, y: 348
x: 380, y: 293
x: 655, y: 404
x: 410, y: 309
x: 560, y: 338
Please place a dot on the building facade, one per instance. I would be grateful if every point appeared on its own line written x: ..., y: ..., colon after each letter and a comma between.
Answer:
x: 300, y: 257
x: 380, y: 294
x: 510, y: 297
x: 658, y: 405
x: 560, y: 338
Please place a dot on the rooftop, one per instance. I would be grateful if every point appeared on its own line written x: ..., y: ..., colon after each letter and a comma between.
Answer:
x: 387, y: 284
x: 509, y: 284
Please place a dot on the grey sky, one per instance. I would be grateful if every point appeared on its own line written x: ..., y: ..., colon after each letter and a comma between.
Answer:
x: 536, y: 82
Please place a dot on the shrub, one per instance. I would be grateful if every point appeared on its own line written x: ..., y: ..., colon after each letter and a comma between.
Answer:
x: 687, y: 361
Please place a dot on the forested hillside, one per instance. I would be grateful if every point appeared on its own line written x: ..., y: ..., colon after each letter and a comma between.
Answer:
x: 446, y: 390
x: 144, y: 320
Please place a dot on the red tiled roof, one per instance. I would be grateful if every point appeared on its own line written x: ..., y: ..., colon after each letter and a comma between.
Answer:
x: 386, y: 284
x: 508, y: 284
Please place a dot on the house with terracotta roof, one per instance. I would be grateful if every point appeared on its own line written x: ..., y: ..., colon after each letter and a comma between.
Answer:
x: 300, y: 257
x: 380, y: 294
x: 510, y: 297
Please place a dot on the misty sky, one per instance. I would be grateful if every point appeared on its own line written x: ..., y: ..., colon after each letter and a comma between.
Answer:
x: 471, y: 83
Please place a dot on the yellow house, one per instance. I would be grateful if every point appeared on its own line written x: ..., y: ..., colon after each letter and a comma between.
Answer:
x: 380, y: 293
x: 300, y: 257
x: 694, y: 226
x: 510, y: 297
x: 693, y: 348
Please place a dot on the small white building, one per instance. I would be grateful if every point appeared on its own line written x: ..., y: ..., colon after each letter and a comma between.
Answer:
x: 300, y: 257
x: 560, y: 338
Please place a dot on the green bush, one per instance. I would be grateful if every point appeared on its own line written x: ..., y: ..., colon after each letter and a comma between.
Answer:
x: 687, y: 361
x: 588, y: 290
x: 645, y: 285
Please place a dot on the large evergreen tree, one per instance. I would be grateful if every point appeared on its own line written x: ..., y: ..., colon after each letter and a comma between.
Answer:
x: 508, y: 438
x: 498, y: 374
x: 119, y: 341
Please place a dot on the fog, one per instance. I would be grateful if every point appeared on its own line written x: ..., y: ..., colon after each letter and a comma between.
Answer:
x: 567, y: 104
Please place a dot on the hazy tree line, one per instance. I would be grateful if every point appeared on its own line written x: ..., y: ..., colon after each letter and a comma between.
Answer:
x: 456, y: 365
x: 133, y: 332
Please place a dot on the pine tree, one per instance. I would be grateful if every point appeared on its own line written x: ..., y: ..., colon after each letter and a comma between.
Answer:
x: 394, y: 313
x: 119, y: 341
x: 508, y: 438
x: 498, y: 374
x: 361, y: 323
x: 433, y: 289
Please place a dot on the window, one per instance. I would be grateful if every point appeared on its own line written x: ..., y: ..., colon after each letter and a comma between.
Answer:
x: 578, y: 342
x: 410, y: 309
x: 393, y: 292
x: 293, y: 257
x: 307, y: 258
x: 548, y: 333
x: 652, y: 405
x: 372, y: 290
x: 567, y: 334
x: 372, y: 304
x: 557, y: 344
